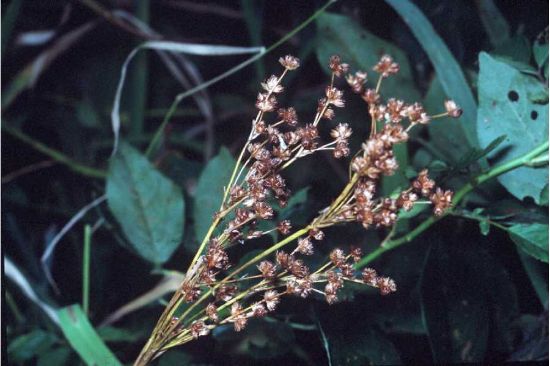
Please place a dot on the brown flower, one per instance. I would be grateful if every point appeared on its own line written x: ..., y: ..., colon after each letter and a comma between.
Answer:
x: 212, y: 312
x: 198, y: 329
x: 288, y: 115
x: 441, y: 200
x: 266, y: 103
x: 338, y: 68
x: 453, y: 110
x: 386, y: 66
x: 267, y: 269
x: 305, y: 246
x: 290, y: 62
x: 284, y: 227
x: 271, y: 299
x: 357, y: 81
x: 370, y: 277
x: 271, y: 85
x: 386, y: 285
x: 423, y: 183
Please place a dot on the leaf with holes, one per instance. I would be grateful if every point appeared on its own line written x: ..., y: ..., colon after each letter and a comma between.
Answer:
x: 148, y: 206
x: 509, y: 104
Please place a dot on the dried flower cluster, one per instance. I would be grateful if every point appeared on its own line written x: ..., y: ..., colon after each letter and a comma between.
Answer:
x: 217, y: 295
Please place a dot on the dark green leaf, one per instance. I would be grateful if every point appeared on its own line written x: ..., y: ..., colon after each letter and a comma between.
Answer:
x: 83, y: 337
x: 495, y: 24
x: 27, y: 346
x: 515, y: 49
x: 532, y: 239
x: 540, y: 52
x: 447, y: 68
x: 209, y: 193
x: 56, y: 356
x: 536, y: 272
x: 148, y: 206
x: 505, y: 108
x: 112, y: 334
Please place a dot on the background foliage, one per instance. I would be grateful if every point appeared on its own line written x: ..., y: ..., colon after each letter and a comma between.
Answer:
x: 471, y: 288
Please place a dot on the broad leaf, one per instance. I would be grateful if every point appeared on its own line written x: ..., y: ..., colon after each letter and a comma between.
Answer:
x: 83, y: 338
x: 509, y: 104
x: 532, y: 239
x: 148, y: 206
x: 209, y: 193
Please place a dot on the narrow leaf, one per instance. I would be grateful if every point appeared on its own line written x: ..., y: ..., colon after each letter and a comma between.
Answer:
x: 448, y: 70
x: 83, y: 337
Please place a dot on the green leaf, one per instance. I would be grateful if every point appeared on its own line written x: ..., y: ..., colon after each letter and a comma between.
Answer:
x: 209, y: 193
x: 544, y: 196
x: 506, y: 106
x: 447, y: 68
x: 112, y: 334
x: 536, y: 272
x: 446, y: 134
x: 56, y: 356
x: 540, y: 51
x: 532, y: 239
x: 27, y: 346
x: 83, y: 338
x: 362, y: 50
x: 148, y: 206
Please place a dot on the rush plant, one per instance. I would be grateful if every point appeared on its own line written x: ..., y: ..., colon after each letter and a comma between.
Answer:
x: 214, y: 291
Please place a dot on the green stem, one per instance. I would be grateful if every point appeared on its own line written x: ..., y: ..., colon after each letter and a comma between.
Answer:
x: 56, y: 155
x: 86, y: 269
x: 180, y: 97
x: 482, y: 178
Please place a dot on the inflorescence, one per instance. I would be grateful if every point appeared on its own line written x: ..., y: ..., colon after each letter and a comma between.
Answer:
x: 276, y: 141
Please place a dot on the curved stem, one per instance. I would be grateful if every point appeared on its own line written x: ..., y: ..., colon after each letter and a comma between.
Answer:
x: 460, y: 194
x: 55, y: 155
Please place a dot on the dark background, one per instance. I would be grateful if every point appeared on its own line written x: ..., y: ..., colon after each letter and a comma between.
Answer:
x: 68, y: 110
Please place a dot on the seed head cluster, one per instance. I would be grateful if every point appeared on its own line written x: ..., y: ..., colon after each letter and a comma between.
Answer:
x: 277, y: 139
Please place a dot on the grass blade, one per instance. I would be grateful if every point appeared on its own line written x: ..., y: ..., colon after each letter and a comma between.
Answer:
x: 448, y: 70
x: 86, y: 269
x: 8, y: 22
x: 52, y: 244
x: 11, y: 271
x: 83, y: 337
